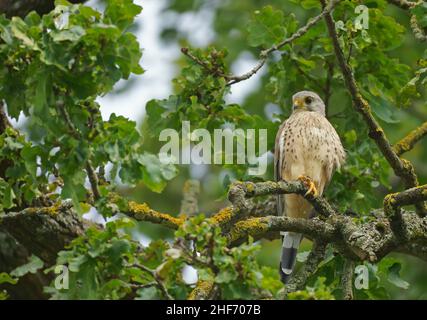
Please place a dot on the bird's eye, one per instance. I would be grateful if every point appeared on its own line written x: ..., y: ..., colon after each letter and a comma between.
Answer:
x: 308, y: 100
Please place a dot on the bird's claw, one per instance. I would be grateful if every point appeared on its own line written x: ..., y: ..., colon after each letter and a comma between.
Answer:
x: 310, y: 186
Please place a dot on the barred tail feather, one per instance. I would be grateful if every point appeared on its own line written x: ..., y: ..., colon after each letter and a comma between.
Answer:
x: 291, y: 242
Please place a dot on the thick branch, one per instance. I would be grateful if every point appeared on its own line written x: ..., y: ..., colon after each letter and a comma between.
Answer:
x: 240, y: 191
x: 316, y: 256
x: 368, y: 241
x: 44, y: 231
x: 258, y: 227
x: 347, y: 279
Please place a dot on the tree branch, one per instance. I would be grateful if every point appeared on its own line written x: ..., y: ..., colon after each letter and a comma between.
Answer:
x: 232, y: 79
x: 316, y: 256
x: 408, y: 142
x: 242, y: 190
x: 22, y: 7
x: 157, y: 279
x: 401, y: 167
x: 417, y: 30
x: 407, y: 5
x: 142, y: 212
x: 259, y: 227
x: 93, y: 179
x: 204, y: 290
x: 44, y: 231
x: 299, y: 33
x: 347, y: 279
x: 403, y: 4
x: 394, y: 201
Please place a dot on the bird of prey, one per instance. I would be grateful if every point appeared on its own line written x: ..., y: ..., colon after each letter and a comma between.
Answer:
x: 309, y: 149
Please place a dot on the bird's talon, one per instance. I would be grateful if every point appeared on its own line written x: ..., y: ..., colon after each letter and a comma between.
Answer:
x: 310, y: 185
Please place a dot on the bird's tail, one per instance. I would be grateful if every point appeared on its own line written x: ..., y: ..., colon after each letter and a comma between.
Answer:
x: 291, y: 242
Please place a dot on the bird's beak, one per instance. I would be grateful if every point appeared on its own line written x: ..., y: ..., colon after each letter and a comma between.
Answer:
x: 298, y: 103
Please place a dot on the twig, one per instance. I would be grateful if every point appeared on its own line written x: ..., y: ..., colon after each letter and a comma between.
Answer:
x: 158, y: 280
x: 299, y: 33
x: 93, y: 178
x: 232, y: 79
x: 203, y: 64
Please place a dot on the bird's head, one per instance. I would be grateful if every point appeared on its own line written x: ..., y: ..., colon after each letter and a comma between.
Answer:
x: 308, y: 101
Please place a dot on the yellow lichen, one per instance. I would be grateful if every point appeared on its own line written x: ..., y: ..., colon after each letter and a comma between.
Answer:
x: 252, y: 226
x: 202, y: 290
x: 409, y: 141
x: 54, y: 210
x: 143, y: 212
x: 223, y: 215
x: 139, y: 207
x: 250, y: 187
x: 389, y: 201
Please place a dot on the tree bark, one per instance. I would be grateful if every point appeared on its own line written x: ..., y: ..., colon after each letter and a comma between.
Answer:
x: 21, y: 8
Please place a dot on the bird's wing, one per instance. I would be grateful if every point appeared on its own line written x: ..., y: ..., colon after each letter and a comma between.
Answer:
x: 278, y: 157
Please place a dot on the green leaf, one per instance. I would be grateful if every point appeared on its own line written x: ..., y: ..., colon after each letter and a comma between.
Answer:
x: 394, y: 276
x: 32, y: 266
x: 156, y: 173
x: 266, y: 27
x: 383, y: 110
x: 18, y: 29
x: 121, y: 12
x: 8, y: 197
x: 150, y: 293
x: 6, y: 278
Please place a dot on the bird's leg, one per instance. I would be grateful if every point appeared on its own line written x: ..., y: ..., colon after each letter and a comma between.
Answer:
x: 310, y: 186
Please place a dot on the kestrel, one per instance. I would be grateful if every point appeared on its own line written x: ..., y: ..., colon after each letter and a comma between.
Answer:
x: 307, y: 146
